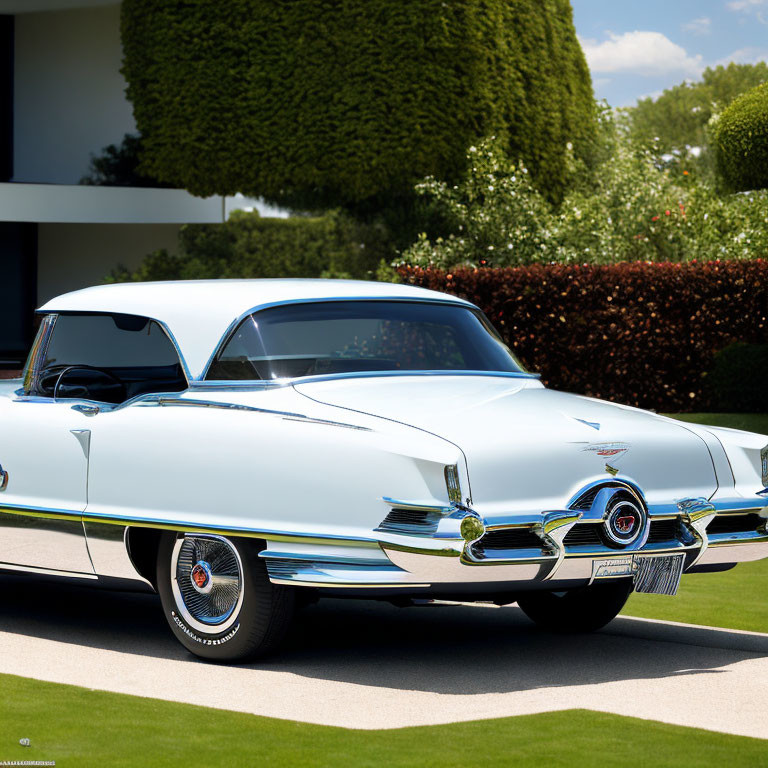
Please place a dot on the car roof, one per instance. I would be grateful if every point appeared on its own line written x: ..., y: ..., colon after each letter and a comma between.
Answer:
x: 197, y: 313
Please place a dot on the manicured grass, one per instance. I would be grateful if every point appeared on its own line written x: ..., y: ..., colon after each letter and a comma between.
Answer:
x: 83, y: 728
x: 733, y: 599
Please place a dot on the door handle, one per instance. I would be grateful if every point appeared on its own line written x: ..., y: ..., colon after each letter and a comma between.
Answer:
x: 88, y: 410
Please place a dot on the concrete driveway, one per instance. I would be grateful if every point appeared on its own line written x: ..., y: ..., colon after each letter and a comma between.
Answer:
x: 370, y: 665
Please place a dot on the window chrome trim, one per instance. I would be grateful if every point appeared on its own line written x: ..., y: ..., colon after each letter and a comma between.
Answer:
x: 31, y: 375
x: 267, y: 384
x: 235, y: 324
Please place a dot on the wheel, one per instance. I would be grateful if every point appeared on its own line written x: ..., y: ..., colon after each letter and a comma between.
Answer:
x: 218, y: 599
x: 579, y: 610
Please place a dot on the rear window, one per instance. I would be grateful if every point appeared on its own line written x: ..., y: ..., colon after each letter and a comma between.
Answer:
x: 314, y: 339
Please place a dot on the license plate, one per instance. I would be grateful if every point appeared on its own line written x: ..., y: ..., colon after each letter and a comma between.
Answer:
x: 659, y: 574
x: 610, y: 569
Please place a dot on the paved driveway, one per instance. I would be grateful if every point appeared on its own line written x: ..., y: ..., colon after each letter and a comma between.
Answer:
x: 370, y: 665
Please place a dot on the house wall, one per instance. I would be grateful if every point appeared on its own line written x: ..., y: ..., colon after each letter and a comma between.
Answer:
x: 73, y: 256
x: 69, y: 95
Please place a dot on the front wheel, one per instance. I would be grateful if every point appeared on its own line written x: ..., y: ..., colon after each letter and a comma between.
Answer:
x: 218, y: 599
x: 579, y: 610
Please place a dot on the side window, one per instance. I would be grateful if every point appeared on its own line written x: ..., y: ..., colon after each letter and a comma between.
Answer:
x: 107, y: 358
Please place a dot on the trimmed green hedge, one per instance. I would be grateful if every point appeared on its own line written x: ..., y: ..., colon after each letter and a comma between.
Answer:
x: 736, y: 383
x: 642, y: 334
x: 741, y: 141
x: 249, y: 246
x: 316, y: 103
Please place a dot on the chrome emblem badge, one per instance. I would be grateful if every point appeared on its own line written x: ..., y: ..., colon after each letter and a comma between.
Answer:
x: 764, y: 465
x: 624, y: 523
x: 200, y: 576
x: 3, y: 479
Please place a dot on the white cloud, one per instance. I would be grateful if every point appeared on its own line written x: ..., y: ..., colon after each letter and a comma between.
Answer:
x: 641, y: 53
x: 746, y: 5
x: 701, y: 26
x: 755, y: 7
x: 750, y: 55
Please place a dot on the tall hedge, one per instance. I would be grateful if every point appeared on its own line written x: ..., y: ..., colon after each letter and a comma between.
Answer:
x: 642, y: 334
x: 741, y: 141
x: 249, y: 246
x: 321, y: 102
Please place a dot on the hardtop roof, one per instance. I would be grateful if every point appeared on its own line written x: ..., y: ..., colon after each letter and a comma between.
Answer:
x: 198, y: 313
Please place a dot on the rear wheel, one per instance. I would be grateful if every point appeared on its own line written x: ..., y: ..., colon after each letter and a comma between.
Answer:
x: 579, y: 610
x: 218, y: 599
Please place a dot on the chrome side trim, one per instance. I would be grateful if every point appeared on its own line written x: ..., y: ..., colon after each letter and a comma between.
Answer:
x: 165, y: 401
x: 332, y: 570
x: 46, y: 571
x: 190, y: 527
x: 256, y: 384
x: 419, y: 506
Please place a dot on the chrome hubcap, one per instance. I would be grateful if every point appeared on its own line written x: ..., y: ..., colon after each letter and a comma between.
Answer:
x: 207, y: 580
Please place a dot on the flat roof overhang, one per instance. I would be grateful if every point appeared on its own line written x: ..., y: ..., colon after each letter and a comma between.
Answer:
x: 34, y: 6
x: 81, y: 204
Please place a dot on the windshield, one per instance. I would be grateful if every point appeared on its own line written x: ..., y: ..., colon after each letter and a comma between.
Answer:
x: 316, y: 339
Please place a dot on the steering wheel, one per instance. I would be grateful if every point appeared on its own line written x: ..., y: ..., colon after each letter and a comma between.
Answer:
x: 103, y: 372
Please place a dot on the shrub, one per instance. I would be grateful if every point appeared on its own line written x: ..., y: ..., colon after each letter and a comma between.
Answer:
x: 118, y: 166
x: 316, y: 104
x: 643, y: 334
x: 249, y: 246
x: 741, y: 141
x: 636, y: 209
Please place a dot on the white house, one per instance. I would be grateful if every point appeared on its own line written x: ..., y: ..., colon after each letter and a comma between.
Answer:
x: 62, y: 99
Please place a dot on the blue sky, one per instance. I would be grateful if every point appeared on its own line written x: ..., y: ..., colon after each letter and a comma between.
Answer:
x: 637, y: 48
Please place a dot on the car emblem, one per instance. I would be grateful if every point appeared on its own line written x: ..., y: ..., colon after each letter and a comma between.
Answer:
x: 200, y: 576
x: 3, y: 479
x: 624, y: 523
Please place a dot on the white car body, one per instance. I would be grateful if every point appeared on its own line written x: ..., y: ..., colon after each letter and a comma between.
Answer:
x: 344, y: 476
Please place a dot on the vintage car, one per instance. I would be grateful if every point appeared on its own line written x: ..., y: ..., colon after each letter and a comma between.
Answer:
x: 239, y: 446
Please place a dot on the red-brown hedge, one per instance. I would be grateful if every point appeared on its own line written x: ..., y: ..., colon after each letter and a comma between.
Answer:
x: 643, y: 334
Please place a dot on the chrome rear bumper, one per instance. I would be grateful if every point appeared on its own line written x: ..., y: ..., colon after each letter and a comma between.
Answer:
x: 415, y: 557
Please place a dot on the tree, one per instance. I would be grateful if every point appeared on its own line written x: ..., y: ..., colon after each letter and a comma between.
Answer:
x: 741, y: 142
x: 318, y: 103
x: 678, y: 118
x: 117, y: 166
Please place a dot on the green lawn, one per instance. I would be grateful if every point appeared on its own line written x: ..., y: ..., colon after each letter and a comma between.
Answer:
x: 733, y: 599
x: 80, y: 727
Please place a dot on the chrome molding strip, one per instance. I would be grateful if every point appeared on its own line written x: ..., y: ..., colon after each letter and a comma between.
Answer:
x: 46, y: 571
x: 256, y: 384
x: 419, y: 506
x: 189, y: 527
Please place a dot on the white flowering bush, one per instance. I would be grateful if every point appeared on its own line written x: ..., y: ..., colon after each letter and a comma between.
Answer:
x: 635, y: 207
x: 497, y: 215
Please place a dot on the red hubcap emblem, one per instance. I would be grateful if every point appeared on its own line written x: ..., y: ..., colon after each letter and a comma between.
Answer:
x: 199, y: 576
x: 625, y: 524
